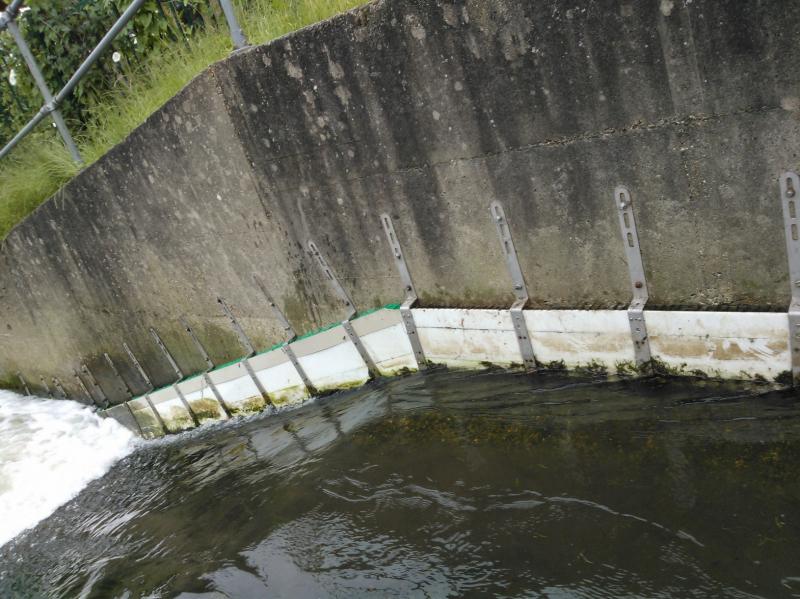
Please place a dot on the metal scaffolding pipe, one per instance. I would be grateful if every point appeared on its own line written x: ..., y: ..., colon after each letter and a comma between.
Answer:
x: 75, y: 79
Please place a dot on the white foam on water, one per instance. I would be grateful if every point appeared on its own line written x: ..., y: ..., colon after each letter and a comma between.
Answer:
x: 49, y: 451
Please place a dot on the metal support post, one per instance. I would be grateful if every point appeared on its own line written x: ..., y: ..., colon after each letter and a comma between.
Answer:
x: 82, y: 385
x: 406, y: 314
x: 237, y: 35
x: 291, y: 335
x: 790, y: 188
x: 33, y: 67
x: 93, y: 385
x: 147, y: 382
x: 59, y: 388
x: 209, y: 366
x: 24, y: 384
x: 178, y: 374
x: 633, y: 255
x: 46, y: 387
x: 113, y: 368
x: 520, y: 289
x: 350, y: 307
x: 246, y: 344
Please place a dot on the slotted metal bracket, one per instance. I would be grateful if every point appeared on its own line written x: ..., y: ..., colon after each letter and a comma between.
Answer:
x: 790, y: 201
x: 136, y: 421
x: 132, y: 357
x: 113, y: 368
x: 225, y: 407
x: 46, y: 387
x: 244, y: 340
x: 633, y: 256
x: 287, y: 349
x: 161, y: 422
x: 186, y: 404
x: 249, y: 368
x: 199, y: 346
x: 287, y: 326
x: 165, y: 352
x: 406, y: 315
x: 59, y: 387
x: 98, y: 389
x: 350, y: 306
x: 330, y: 277
x: 362, y: 351
x: 82, y: 385
x: 24, y: 384
x: 518, y: 280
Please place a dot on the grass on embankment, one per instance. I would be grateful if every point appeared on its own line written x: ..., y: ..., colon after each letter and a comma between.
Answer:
x: 40, y: 165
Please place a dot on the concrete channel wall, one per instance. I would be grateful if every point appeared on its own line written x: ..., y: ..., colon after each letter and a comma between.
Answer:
x: 428, y: 110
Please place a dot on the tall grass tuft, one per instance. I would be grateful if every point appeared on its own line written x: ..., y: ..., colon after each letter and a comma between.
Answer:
x: 40, y: 165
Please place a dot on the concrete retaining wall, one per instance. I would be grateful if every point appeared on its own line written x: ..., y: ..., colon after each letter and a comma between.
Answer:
x: 429, y: 110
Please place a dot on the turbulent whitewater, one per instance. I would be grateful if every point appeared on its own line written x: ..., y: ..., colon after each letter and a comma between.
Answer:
x: 49, y: 451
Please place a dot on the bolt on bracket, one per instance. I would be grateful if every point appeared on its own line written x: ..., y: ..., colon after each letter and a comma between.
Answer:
x: 520, y: 289
x: 790, y: 202
x: 633, y: 256
x: 406, y: 315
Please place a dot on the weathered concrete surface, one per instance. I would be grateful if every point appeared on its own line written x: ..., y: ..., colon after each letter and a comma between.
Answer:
x: 428, y: 109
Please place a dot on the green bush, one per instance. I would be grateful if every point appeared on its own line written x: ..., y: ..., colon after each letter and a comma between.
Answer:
x: 62, y: 33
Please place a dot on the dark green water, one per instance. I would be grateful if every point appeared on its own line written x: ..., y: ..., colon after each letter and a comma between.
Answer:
x: 447, y: 485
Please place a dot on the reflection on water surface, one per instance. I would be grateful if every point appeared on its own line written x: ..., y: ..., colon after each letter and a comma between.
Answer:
x: 444, y: 485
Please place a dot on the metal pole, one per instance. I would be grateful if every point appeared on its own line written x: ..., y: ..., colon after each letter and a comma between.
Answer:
x: 49, y: 107
x: 237, y: 35
x: 45, y: 91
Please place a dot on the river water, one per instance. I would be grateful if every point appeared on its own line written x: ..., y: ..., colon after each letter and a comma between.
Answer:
x: 437, y: 485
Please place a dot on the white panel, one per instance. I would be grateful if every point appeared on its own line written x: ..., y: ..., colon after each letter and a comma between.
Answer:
x: 337, y: 367
x: 467, y: 338
x: 581, y: 337
x: 238, y: 392
x: 283, y: 384
x: 203, y: 402
x: 175, y: 415
x: 724, y: 344
x: 390, y: 350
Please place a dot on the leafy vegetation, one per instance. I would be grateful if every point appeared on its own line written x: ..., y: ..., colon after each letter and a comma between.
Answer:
x: 106, y: 114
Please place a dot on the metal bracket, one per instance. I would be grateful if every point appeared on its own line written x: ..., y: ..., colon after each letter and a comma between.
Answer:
x: 113, y: 368
x: 287, y: 326
x: 148, y: 383
x: 287, y: 349
x: 520, y: 289
x: 46, y: 388
x: 175, y: 368
x: 197, y: 344
x: 161, y: 422
x: 94, y: 385
x: 81, y: 384
x: 225, y: 407
x: 57, y: 385
x: 406, y: 315
x: 136, y: 421
x: 362, y: 351
x: 186, y: 404
x: 633, y: 256
x: 340, y: 291
x: 209, y: 365
x: 243, y: 339
x: 790, y: 200
x: 24, y: 384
